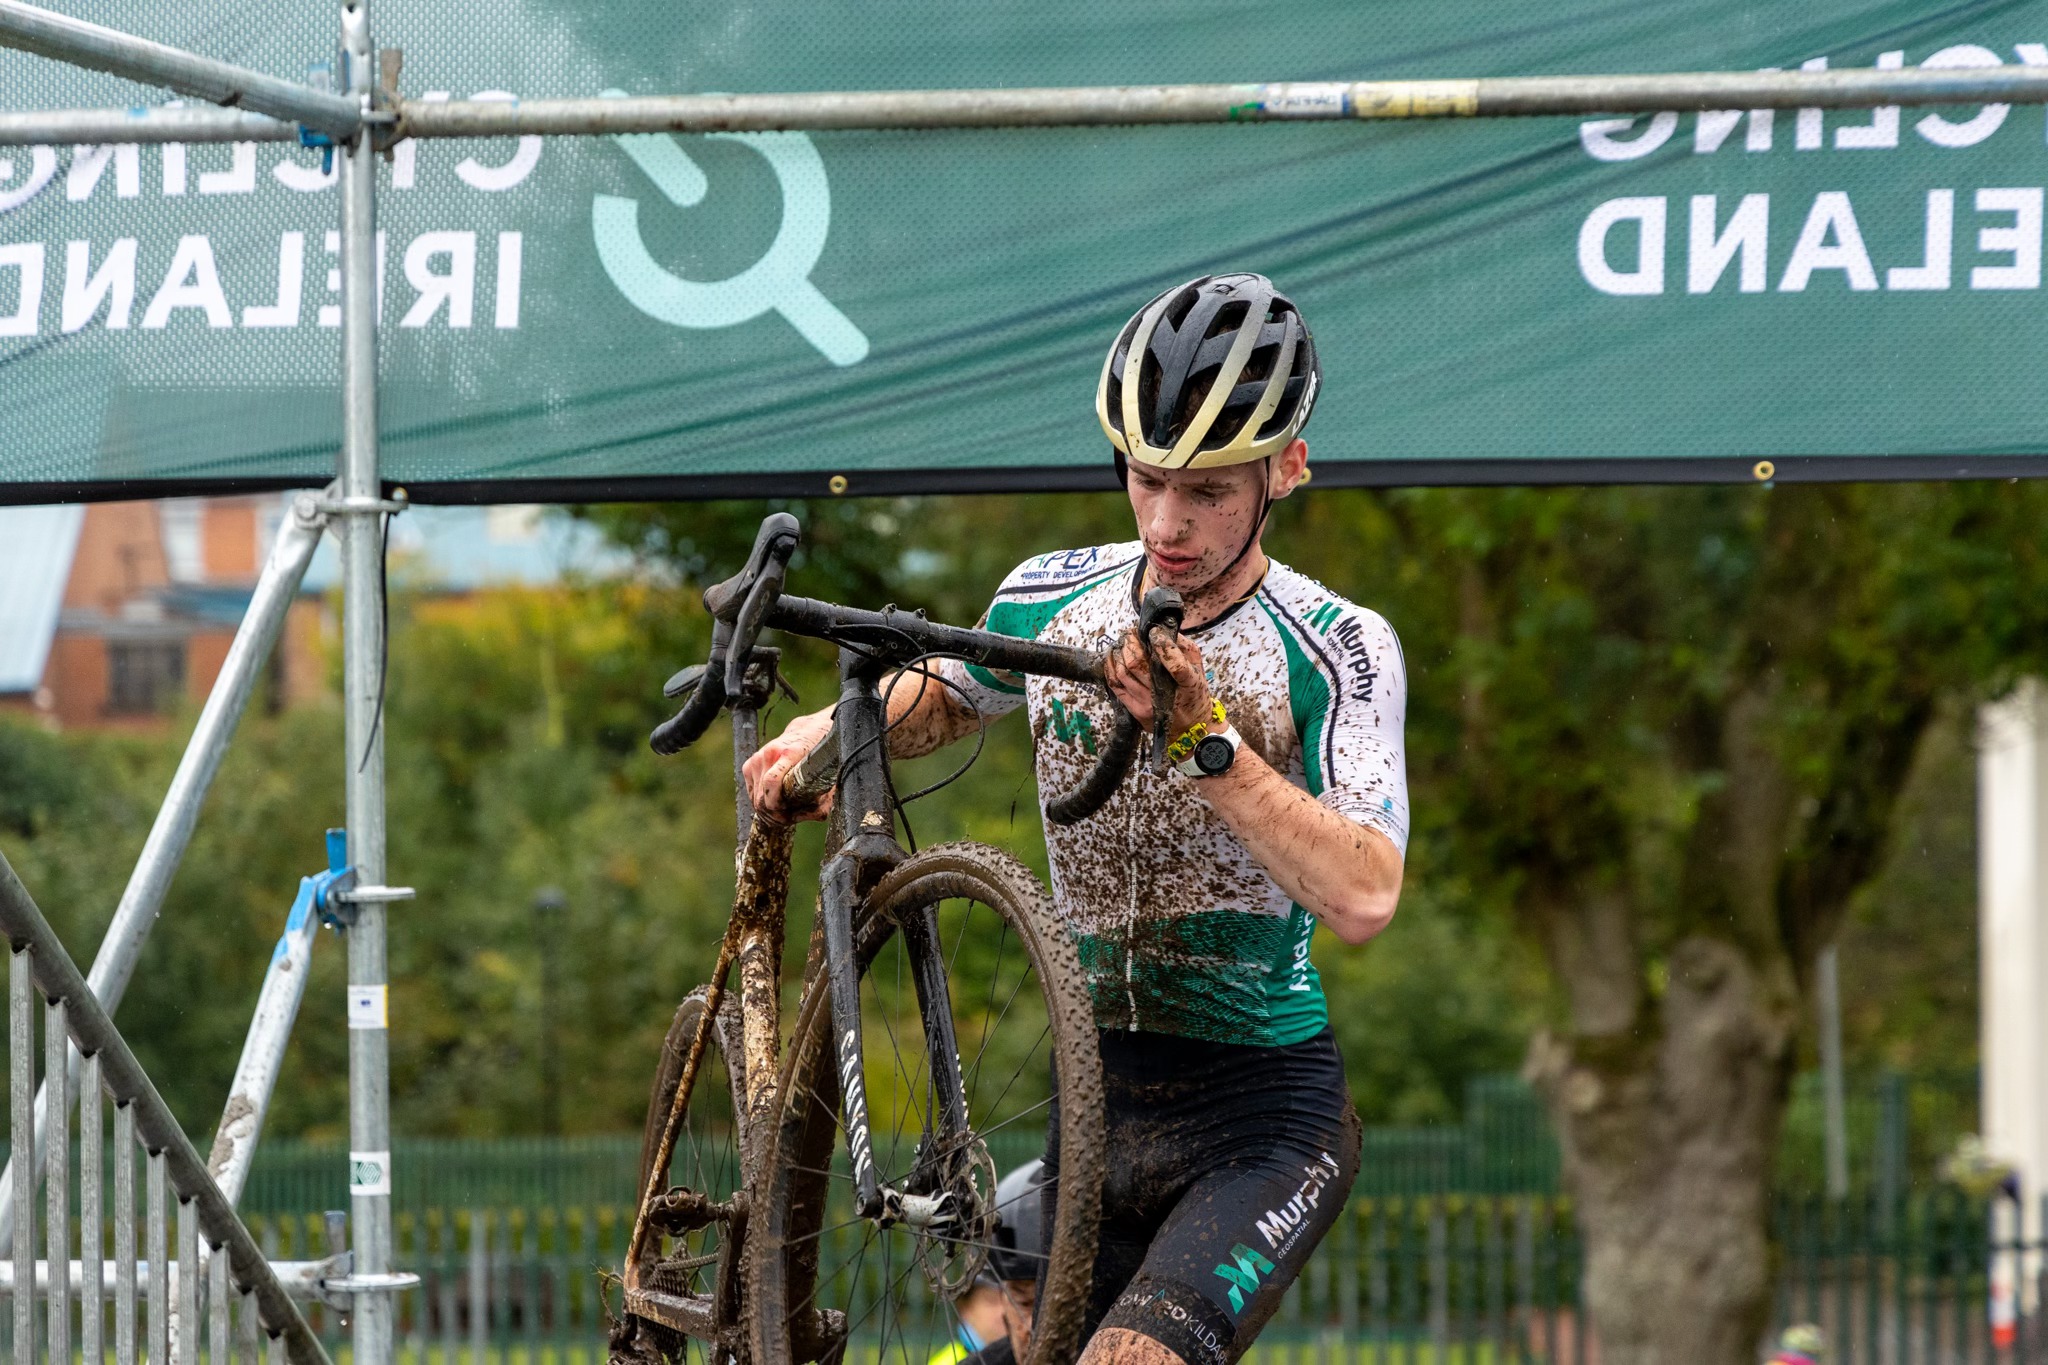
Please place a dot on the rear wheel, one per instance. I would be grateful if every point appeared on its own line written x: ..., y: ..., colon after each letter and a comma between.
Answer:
x: 682, y: 1296
x: 827, y: 1283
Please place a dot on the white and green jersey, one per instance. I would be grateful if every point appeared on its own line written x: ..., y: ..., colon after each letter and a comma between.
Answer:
x: 1180, y: 931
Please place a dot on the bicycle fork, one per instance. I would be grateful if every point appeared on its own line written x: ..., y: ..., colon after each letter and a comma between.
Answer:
x: 923, y: 1201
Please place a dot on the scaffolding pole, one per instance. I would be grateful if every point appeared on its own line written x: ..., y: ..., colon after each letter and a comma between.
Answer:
x: 363, y: 509
x: 122, y: 54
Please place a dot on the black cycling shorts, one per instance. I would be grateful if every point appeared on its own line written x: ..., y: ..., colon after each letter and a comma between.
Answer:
x: 1226, y: 1165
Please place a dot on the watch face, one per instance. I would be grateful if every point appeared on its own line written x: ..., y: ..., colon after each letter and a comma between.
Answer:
x: 1214, y: 755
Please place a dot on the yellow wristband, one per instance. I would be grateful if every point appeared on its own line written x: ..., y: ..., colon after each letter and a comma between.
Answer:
x: 1178, y: 751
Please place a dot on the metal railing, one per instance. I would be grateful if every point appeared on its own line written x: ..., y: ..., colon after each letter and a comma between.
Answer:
x: 1443, y: 1280
x: 248, y: 1313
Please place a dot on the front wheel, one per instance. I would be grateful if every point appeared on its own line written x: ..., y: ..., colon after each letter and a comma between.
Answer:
x: 828, y: 1284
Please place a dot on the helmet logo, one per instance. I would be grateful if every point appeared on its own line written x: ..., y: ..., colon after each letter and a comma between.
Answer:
x: 780, y: 281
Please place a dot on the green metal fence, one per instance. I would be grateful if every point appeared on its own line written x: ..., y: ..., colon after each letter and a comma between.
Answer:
x: 1458, y: 1278
x: 1898, y: 1130
x: 1457, y: 1245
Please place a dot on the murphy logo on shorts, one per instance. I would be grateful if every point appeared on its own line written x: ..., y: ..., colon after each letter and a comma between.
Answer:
x: 1243, y: 1277
x: 1281, y: 1227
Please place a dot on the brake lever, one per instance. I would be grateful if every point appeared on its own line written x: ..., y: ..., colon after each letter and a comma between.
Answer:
x: 775, y: 540
x: 684, y: 681
x: 1161, y: 607
x: 746, y: 627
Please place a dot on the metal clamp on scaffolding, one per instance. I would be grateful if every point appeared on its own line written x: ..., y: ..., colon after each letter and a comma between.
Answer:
x: 336, y: 892
x: 343, y: 506
x: 339, y: 1284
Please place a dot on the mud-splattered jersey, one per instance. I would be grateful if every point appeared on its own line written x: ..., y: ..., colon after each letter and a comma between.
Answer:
x: 1180, y: 930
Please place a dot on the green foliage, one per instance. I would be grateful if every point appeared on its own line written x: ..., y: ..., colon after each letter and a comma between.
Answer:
x: 37, y: 782
x: 1594, y: 675
x: 1572, y: 657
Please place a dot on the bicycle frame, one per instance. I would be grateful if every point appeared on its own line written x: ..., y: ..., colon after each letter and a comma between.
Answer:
x: 854, y: 759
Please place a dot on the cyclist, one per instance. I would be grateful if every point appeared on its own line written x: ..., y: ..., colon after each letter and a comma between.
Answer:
x: 1193, y: 894
x: 1011, y: 1278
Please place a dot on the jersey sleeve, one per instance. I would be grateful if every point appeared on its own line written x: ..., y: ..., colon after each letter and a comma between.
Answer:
x: 1030, y: 597
x: 993, y: 692
x: 1358, y: 763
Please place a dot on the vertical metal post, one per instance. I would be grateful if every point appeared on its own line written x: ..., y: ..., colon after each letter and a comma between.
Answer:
x: 185, y: 1322
x: 57, y: 1208
x: 479, y: 1285
x: 21, y: 1081
x: 369, y: 1118
x: 1828, y: 1004
x: 216, y: 1307
x: 248, y: 1331
x: 159, y: 1233
x: 92, y: 1235
x: 124, y: 1234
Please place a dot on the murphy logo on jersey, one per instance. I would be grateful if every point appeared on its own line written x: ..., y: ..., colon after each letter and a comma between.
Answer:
x: 1069, y: 726
x: 1243, y: 1276
x: 1349, y: 638
x: 1280, y: 1227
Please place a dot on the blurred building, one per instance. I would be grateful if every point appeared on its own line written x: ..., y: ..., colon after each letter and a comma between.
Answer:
x: 115, y: 614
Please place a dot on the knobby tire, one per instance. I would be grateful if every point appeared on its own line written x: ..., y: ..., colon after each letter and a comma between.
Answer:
x: 798, y: 1191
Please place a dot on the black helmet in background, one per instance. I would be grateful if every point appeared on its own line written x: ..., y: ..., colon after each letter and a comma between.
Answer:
x: 1019, y: 1248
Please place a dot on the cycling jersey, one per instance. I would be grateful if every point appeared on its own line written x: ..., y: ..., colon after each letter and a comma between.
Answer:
x: 1180, y: 930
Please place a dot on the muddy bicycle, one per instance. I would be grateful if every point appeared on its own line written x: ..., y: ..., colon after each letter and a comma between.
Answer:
x: 828, y: 1201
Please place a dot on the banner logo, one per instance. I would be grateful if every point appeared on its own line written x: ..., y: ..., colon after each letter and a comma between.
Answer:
x: 780, y: 281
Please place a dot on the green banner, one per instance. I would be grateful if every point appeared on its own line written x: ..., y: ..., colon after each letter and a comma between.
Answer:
x: 1845, y: 294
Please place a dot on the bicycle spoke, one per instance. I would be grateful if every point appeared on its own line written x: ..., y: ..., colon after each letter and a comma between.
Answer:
x: 997, y: 1107
x: 988, y: 1006
x: 889, y: 1029
x: 1018, y: 1115
x: 819, y: 1170
x: 813, y: 1236
x: 818, y: 1284
x: 1014, y: 991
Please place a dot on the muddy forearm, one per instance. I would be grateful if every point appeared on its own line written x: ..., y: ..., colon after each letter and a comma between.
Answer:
x: 924, y: 715
x: 1346, y: 874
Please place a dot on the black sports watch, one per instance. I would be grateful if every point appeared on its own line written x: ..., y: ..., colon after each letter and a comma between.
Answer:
x: 1213, y: 754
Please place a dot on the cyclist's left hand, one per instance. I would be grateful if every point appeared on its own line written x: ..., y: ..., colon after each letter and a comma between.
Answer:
x: 1130, y: 678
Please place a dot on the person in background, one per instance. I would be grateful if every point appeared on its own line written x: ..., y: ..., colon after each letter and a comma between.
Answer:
x: 981, y: 1324
x: 1010, y: 1280
x: 1801, y: 1344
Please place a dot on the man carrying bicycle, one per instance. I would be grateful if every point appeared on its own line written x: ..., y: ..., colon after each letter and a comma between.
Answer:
x: 1193, y: 895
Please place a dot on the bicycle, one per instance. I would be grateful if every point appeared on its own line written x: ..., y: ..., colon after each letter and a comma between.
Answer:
x: 739, y: 1249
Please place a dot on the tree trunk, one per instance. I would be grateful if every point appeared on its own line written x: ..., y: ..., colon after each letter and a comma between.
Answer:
x: 1669, y: 1126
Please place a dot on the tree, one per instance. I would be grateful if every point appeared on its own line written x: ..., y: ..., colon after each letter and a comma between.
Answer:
x: 1668, y: 728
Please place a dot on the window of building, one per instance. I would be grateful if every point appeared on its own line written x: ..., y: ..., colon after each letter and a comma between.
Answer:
x: 144, y: 676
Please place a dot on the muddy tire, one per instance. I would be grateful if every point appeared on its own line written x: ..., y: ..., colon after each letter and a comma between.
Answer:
x: 675, y: 1287
x: 825, y: 1284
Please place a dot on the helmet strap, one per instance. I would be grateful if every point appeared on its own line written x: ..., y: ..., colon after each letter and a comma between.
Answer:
x: 1259, y: 525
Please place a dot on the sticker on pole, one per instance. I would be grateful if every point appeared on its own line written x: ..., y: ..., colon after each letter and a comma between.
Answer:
x: 369, y: 1173
x: 368, y: 1007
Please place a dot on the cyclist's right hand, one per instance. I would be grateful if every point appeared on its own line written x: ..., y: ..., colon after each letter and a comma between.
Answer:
x: 773, y: 761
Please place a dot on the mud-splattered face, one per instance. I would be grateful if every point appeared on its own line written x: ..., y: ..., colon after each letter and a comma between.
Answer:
x: 1194, y: 521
